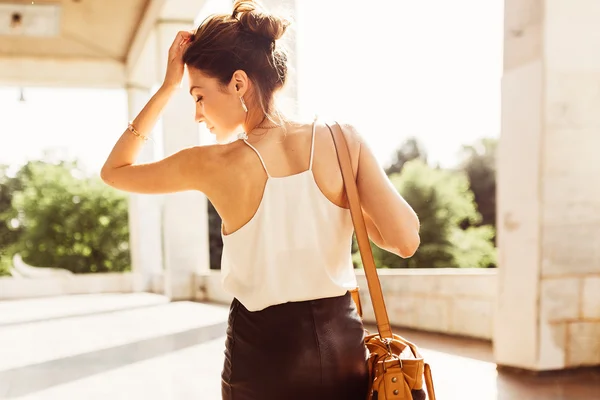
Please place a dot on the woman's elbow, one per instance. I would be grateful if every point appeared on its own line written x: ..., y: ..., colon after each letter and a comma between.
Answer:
x: 409, y: 245
x: 107, y: 176
x: 104, y: 174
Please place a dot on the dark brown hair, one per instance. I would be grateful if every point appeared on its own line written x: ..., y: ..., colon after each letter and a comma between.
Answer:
x: 244, y: 40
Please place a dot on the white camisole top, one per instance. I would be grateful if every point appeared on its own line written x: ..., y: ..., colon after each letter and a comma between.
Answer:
x: 296, y: 247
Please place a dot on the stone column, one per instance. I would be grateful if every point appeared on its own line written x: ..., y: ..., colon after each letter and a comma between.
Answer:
x: 548, y: 311
x: 145, y: 235
x: 185, y: 216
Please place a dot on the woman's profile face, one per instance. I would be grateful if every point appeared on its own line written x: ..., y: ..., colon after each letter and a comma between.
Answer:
x: 218, y: 106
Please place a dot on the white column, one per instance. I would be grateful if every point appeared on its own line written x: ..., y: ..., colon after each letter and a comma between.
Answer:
x: 548, y: 314
x: 145, y: 234
x: 185, y: 216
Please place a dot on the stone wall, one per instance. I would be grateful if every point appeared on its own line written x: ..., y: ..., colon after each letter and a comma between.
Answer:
x: 453, y: 301
x: 570, y: 311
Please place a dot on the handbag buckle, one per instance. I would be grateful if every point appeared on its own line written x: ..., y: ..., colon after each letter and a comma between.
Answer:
x: 388, y: 344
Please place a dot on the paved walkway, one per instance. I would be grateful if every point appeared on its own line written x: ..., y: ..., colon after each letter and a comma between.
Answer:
x: 139, y: 346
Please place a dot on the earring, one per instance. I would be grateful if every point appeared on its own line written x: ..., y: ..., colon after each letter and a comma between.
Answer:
x: 243, y: 104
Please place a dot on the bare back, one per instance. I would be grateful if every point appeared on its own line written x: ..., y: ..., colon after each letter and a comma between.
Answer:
x: 238, y: 189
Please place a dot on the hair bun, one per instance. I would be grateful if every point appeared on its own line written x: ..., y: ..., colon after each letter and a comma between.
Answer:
x: 254, y: 19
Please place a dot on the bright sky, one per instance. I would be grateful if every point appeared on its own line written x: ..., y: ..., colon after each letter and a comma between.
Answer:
x: 394, y: 68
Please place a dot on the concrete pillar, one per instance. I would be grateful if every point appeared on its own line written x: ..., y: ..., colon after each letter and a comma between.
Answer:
x: 185, y: 216
x: 145, y: 235
x: 548, y: 311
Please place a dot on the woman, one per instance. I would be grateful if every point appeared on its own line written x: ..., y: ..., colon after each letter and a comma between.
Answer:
x: 293, y: 332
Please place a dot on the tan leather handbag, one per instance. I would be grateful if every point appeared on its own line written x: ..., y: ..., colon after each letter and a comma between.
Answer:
x: 397, y: 369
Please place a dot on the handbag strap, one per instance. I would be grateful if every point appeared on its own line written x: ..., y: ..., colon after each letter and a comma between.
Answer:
x: 362, y: 237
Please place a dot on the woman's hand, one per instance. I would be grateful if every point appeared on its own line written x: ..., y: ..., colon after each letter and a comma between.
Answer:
x: 175, y: 66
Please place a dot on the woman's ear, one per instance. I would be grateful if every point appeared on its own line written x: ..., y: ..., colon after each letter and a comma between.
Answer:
x: 239, y: 82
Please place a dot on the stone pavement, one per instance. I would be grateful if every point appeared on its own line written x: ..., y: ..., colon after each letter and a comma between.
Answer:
x: 140, y: 346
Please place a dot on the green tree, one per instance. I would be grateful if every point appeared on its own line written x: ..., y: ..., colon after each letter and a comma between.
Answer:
x: 10, y: 231
x: 70, y: 221
x: 479, y: 163
x: 410, y: 150
x: 443, y: 202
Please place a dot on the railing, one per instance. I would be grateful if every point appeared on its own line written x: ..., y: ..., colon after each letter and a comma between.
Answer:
x: 453, y: 301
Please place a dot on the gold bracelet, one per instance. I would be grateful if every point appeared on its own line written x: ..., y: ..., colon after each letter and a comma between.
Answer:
x: 132, y: 129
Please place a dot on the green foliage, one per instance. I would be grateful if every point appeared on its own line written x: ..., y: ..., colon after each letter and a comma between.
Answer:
x: 410, y: 150
x: 474, y: 247
x: 67, y: 220
x: 479, y: 163
x: 10, y: 233
x: 443, y: 202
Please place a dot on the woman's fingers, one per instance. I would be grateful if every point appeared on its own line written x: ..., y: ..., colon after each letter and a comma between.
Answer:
x: 182, y: 38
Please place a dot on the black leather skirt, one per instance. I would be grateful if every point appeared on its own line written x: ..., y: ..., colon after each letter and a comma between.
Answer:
x: 308, y: 350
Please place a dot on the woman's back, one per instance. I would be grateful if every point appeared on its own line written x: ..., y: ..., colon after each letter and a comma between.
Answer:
x: 241, y: 182
x: 294, y: 243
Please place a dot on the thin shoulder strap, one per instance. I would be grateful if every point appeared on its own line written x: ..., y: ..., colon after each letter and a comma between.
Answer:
x: 312, y: 144
x: 259, y: 156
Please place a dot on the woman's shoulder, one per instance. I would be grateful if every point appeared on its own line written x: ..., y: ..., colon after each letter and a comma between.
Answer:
x: 217, y: 156
x: 349, y: 129
x: 351, y: 132
x: 212, y: 157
